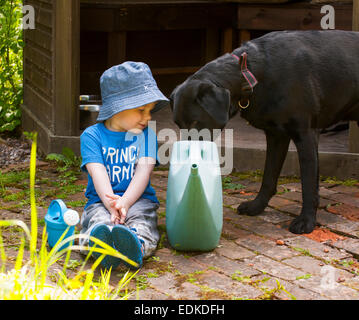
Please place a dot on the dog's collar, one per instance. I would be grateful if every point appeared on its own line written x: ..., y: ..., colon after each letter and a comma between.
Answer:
x: 251, y: 79
x: 248, y: 76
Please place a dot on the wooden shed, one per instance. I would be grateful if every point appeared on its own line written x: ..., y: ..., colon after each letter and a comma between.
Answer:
x: 74, y: 41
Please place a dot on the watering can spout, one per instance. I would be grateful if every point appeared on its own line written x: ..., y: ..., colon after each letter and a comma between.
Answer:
x: 194, y: 169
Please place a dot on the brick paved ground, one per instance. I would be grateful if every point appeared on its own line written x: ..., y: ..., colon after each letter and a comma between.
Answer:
x: 258, y: 258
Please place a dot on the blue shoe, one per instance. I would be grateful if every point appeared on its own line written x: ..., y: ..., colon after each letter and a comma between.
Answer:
x: 127, y: 243
x: 103, y: 233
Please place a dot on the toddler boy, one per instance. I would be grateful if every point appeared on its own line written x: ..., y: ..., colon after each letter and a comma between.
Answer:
x: 119, y: 154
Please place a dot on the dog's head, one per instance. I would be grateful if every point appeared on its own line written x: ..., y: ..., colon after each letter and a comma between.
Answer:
x: 199, y: 104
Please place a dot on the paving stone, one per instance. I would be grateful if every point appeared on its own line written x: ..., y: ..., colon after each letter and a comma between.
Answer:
x: 326, y: 218
x: 263, y: 228
x: 168, y: 284
x: 240, y: 199
x: 159, y: 181
x: 345, y: 210
x: 345, y: 198
x: 230, y: 287
x: 350, y: 245
x: 292, y: 195
x: 290, y: 291
x: 229, y: 212
x: 231, y: 250
x: 327, y: 286
x: 229, y: 231
x: 293, y: 186
x: 225, y: 265
x: 189, y: 291
x: 180, y: 262
x: 308, y: 264
x: 294, y: 209
x: 278, y: 202
x: 324, y: 203
x: 275, y: 268
x: 352, y: 283
x: 252, y: 186
x: 325, y: 192
x: 231, y: 201
x: 338, y: 223
x: 266, y: 247
x: 149, y: 294
x: 274, y: 216
x: 345, y: 189
x: 316, y: 249
x: 157, y: 172
x: 161, y: 194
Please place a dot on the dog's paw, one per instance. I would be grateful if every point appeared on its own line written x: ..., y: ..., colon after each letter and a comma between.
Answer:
x: 302, y: 224
x: 251, y: 208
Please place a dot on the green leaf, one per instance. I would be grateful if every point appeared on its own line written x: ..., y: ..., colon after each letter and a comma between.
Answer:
x: 68, y: 153
x: 56, y: 157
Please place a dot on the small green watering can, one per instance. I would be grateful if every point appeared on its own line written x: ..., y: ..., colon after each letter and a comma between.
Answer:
x: 194, y: 211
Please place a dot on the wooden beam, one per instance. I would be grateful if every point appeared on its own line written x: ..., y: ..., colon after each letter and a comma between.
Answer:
x: 211, y: 44
x: 227, y: 41
x: 175, y: 70
x: 245, y: 36
x: 116, y: 48
x: 158, y: 17
x: 353, y: 126
x: 290, y: 16
x: 355, y: 15
x: 66, y: 67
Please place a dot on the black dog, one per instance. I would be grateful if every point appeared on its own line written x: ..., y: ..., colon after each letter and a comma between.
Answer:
x: 290, y: 84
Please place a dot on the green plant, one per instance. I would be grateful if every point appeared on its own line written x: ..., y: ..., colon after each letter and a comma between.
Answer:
x: 255, y: 175
x: 12, y: 178
x: 11, y: 69
x: 334, y: 180
x: 32, y: 279
x: 227, y: 183
x: 305, y: 276
x: 66, y: 160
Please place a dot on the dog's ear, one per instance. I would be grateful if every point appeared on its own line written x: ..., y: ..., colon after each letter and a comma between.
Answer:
x: 216, y: 101
x: 171, y: 100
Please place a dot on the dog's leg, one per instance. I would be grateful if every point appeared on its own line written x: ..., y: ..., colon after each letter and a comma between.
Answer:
x: 277, y: 148
x: 307, y: 147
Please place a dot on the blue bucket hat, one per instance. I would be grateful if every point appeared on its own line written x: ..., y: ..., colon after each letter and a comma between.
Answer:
x: 127, y: 86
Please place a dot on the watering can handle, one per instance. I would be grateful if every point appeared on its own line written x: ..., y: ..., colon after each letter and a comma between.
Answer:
x: 56, y: 209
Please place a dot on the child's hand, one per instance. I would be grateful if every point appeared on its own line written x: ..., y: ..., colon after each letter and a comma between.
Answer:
x: 120, y: 208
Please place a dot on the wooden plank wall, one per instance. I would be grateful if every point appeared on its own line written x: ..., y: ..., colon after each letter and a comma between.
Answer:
x: 294, y: 16
x: 158, y: 35
x: 67, y: 67
x: 354, y: 128
x: 38, y: 68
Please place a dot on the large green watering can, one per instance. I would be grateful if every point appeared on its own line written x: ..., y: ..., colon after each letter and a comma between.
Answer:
x: 194, y: 211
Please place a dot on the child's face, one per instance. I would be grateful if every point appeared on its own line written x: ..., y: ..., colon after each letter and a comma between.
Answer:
x: 133, y: 120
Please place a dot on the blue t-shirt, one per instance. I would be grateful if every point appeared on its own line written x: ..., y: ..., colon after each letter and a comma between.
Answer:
x: 118, y: 152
